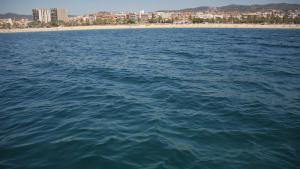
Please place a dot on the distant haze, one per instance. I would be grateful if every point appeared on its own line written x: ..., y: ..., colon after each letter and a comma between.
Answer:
x: 88, y: 6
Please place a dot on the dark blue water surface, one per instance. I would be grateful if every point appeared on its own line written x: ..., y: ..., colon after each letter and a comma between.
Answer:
x: 150, y: 99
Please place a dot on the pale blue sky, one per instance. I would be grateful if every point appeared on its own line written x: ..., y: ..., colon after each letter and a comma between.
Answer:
x: 87, y: 6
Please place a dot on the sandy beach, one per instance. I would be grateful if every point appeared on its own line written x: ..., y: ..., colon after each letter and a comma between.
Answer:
x: 151, y: 26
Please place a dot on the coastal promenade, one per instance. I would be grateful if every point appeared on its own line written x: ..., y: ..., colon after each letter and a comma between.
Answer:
x: 152, y: 26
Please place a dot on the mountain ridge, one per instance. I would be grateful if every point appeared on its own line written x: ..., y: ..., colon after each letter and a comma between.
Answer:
x: 15, y: 16
x: 241, y: 8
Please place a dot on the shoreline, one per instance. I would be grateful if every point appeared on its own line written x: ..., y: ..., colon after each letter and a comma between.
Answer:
x: 152, y: 26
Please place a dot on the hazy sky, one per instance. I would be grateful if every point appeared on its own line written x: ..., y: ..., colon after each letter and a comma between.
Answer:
x: 87, y: 6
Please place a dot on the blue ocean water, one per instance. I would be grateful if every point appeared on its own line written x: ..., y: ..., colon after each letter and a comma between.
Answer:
x: 151, y: 99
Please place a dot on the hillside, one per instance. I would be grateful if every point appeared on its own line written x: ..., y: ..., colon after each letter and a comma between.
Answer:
x: 15, y: 16
x: 242, y: 8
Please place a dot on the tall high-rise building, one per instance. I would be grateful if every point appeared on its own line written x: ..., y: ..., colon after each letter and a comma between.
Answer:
x: 59, y: 14
x: 42, y: 15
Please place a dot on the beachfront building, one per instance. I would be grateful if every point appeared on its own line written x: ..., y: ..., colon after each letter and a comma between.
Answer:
x: 41, y: 15
x: 105, y: 16
x: 144, y: 18
x: 6, y: 21
x: 59, y: 14
x: 13, y: 23
x: 120, y: 18
x: 132, y: 17
x: 142, y: 12
x: 92, y: 17
x: 165, y: 15
x: 203, y: 15
x: 293, y: 14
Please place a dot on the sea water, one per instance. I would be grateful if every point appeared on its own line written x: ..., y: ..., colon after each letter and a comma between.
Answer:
x: 150, y: 98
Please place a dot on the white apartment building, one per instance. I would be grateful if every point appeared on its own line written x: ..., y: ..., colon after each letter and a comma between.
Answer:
x: 42, y: 15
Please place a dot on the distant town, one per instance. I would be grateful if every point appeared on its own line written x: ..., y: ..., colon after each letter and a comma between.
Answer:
x: 254, y: 14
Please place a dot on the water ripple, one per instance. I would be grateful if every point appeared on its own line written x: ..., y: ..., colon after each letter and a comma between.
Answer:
x: 153, y: 98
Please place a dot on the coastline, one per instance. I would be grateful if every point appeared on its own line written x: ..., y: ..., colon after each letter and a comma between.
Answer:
x: 152, y: 26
